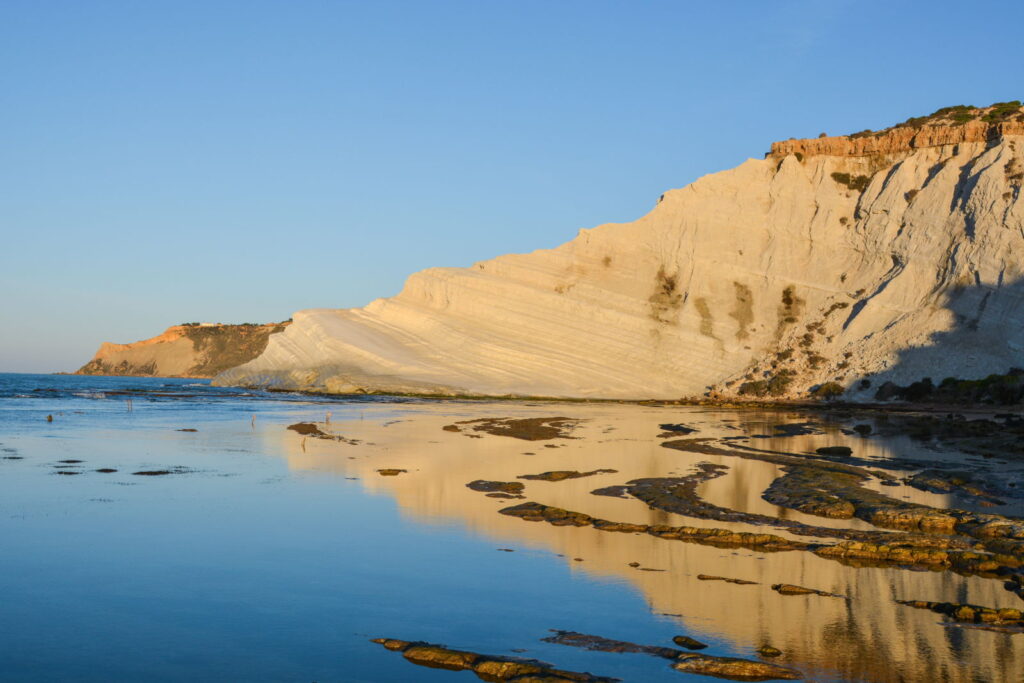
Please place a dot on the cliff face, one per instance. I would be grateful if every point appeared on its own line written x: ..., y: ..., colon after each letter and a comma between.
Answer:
x: 184, y: 351
x: 878, y: 256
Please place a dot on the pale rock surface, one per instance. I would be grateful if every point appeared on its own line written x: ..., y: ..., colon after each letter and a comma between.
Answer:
x: 916, y: 274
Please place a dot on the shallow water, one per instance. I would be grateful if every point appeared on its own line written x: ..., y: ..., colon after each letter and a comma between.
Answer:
x: 276, y: 557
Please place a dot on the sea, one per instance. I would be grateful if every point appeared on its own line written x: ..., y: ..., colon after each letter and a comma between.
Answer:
x: 157, y: 529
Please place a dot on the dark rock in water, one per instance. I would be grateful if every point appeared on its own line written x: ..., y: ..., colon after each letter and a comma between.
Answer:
x: 440, y: 657
x: 307, y: 429
x: 809, y: 490
x: 1004, y: 539
x: 962, y: 483
x: 599, y: 644
x: 721, y: 667
x: 679, y: 495
x: 562, y: 475
x: 972, y: 614
x: 942, y: 555
x: 67, y: 472
x: 768, y: 651
x: 797, y: 429
x: 487, y: 667
x: 49, y: 418
x: 741, y: 582
x: 192, y: 430
x: 392, y: 644
x: 106, y: 470
x: 834, y: 489
x: 451, y: 428
x: 862, y: 429
x: 160, y: 473
x: 504, y: 496
x: 689, y: 643
x: 720, y: 538
x: 485, y: 486
x: 69, y: 462
x: 390, y: 472
x: 612, y: 491
x: 527, y: 429
x: 834, y: 450
x: 819, y: 491
x: 790, y: 589
x: 677, y: 428
x: 1015, y: 584
x: 734, y: 669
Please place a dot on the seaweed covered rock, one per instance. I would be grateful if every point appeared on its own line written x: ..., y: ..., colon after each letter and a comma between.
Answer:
x: 734, y: 668
x: 973, y: 614
x: 689, y: 643
x: 721, y: 667
x: 538, y: 512
x: 791, y: 589
x: 525, y: 428
x: 562, y: 475
x: 485, y: 486
x: 486, y: 667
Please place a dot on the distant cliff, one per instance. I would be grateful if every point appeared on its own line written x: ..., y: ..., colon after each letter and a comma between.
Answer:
x: 830, y: 266
x: 192, y: 350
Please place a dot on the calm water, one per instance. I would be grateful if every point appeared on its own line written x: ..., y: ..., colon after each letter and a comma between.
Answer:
x: 273, y: 557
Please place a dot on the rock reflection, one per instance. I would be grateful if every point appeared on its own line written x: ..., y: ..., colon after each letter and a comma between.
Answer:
x: 867, y: 637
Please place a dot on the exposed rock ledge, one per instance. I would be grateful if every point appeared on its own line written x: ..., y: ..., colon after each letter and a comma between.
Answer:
x: 941, y: 128
x: 868, y: 258
x: 192, y: 350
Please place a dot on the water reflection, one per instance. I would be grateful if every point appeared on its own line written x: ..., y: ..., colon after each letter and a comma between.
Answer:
x: 868, y: 637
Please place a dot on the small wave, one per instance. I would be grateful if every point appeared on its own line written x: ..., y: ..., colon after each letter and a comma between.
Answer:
x: 89, y: 394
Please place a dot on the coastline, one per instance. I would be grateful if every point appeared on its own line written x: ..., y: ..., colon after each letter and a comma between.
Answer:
x: 809, y: 405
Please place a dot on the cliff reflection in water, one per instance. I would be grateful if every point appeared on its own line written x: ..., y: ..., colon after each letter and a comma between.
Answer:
x: 868, y: 637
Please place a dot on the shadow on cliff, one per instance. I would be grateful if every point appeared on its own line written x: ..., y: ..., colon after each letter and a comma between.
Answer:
x: 986, y: 337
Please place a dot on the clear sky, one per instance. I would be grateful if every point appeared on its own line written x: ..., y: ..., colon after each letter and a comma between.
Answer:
x: 166, y: 162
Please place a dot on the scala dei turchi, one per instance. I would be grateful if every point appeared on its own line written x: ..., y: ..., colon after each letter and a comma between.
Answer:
x: 842, y: 261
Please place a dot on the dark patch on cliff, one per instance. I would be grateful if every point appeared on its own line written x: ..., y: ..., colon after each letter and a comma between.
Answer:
x: 227, y: 346
x: 666, y: 299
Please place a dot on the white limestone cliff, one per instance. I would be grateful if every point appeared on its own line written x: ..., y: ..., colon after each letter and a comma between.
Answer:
x: 887, y: 256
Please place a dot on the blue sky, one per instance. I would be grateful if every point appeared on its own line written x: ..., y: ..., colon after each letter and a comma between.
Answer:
x: 165, y: 162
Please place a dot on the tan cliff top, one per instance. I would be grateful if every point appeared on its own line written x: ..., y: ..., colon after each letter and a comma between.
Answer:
x: 947, y: 126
